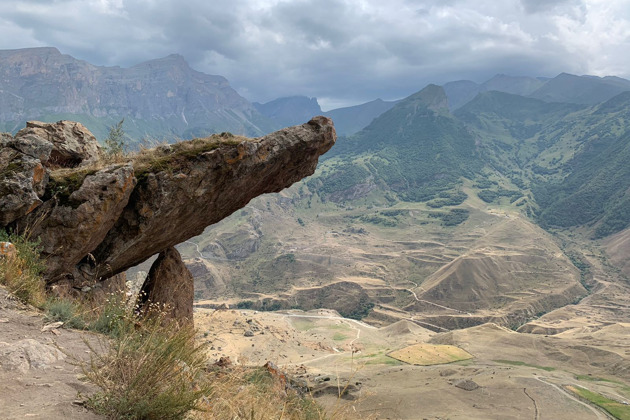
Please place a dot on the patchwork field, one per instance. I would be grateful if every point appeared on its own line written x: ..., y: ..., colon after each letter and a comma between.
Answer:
x: 511, y: 376
x: 429, y: 354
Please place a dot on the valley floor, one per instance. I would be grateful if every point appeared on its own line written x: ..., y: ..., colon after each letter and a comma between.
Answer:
x: 511, y: 375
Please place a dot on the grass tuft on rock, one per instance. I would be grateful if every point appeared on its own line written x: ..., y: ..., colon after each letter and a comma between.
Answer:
x: 21, y: 274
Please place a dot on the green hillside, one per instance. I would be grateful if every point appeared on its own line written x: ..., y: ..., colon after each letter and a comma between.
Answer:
x: 563, y: 165
x: 595, y: 191
x: 415, y: 150
x: 573, y: 158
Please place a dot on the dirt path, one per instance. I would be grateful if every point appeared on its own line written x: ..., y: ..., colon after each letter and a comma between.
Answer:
x: 534, y: 401
x: 598, y: 413
x: 434, y: 304
x: 37, y: 380
x: 347, y: 321
x: 363, y: 324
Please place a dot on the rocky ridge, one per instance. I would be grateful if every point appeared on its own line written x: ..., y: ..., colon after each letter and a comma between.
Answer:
x: 95, y: 222
x: 156, y: 97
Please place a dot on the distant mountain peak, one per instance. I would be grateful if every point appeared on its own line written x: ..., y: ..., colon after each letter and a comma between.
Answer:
x: 175, y: 60
x: 290, y: 110
x: 164, y: 96
x: 33, y: 51
x: 433, y: 97
x: 586, y: 90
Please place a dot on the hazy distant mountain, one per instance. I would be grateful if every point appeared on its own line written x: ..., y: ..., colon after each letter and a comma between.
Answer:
x: 517, y: 115
x: 518, y: 85
x: 588, y: 90
x: 157, y: 98
x: 463, y: 91
x: 566, y: 88
x: 352, y: 119
x: 292, y: 110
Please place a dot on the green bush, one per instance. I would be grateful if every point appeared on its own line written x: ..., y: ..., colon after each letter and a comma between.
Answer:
x: 112, y: 318
x: 115, y: 141
x: 66, y: 311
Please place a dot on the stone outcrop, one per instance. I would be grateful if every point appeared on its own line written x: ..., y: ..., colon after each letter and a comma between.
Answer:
x: 72, y: 143
x: 97, y: 223
x: 25, y: 161
x: 22, y: 355
x: 169, y: 207
x: 22, y: 183
x: 71, y: 229
x: 169, y: 285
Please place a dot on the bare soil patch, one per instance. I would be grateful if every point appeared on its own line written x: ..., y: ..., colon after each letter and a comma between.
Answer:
x: 38, y: 378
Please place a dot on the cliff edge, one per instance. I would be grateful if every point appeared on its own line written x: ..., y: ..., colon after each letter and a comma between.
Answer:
x: 95, y: 221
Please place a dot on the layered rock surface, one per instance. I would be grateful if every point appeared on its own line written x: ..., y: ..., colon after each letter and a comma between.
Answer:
x: 171, y: 206
x: 95, y: 222
x: 156, y: 96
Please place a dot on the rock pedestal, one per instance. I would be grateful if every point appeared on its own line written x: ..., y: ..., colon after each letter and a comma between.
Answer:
x: 169, y: 288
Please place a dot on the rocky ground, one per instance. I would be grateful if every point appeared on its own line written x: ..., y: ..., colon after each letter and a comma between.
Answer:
x: 511, y: 375
x: 39, y: 377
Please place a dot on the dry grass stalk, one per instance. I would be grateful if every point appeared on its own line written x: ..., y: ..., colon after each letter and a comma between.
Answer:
x: 21, y: 273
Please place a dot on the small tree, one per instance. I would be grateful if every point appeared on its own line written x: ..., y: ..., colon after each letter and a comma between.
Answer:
x: 115, y: 141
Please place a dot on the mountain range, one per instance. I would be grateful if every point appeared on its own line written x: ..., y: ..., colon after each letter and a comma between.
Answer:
x: 487, y: 211
x: 162, y: 97
x: 491, y: 216
x: 158, y: 99
x: 165, y: 98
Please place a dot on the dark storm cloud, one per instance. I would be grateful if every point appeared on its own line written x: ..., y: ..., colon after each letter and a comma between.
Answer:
x: 342, y: 51
x: 535, y: 6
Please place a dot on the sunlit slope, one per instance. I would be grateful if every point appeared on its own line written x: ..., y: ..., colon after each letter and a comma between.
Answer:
x: 618, y: 249
x: 510, y: 274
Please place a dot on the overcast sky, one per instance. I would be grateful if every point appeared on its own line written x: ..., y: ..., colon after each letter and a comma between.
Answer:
x: 341, y: 51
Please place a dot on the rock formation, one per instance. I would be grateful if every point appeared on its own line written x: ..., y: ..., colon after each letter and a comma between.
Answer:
x: 169, y: 281
x: 72, y: 143
x: 96, y: 222
x: 71, y: 229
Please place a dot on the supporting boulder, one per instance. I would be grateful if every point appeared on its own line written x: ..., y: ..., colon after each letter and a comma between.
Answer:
x: 169, y: 287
